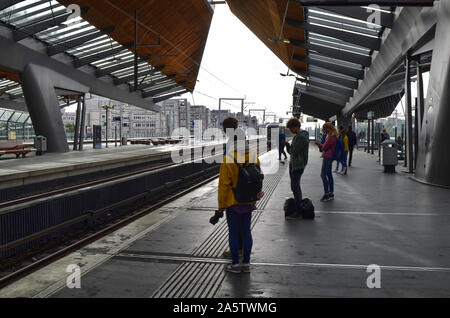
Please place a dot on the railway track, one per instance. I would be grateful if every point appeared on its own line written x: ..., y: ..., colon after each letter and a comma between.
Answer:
x: 80, y: 186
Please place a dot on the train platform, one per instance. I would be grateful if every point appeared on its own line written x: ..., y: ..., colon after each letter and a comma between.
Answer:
x: 379, y: 219
x: 37, y: 169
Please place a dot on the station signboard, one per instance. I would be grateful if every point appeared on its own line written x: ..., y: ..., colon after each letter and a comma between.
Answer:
x: 97, y: 137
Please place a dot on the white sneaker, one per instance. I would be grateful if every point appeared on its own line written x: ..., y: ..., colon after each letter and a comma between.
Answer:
x: 245, y: 268
x: 235, y: 269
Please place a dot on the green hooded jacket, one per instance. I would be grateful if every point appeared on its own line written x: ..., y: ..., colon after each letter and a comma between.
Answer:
x: 299, y: 151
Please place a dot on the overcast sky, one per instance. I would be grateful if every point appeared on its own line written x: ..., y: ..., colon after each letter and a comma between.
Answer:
x: 238, y: 58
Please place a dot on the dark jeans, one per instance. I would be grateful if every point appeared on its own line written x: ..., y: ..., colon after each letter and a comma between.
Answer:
x: 350, y: 153
x: 327, y: 175
x: 296, y: 177
x: 282, y: 152
x: 239, y: 226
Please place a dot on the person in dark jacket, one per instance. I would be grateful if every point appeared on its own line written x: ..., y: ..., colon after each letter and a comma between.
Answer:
x: 282, y: 145
x: 352, y: 143
x: 299, y: 151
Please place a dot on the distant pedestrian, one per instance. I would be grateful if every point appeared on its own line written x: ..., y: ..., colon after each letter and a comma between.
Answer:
x: 384, y: 136
x: 352, y: 143
x: 344, y: 155
x: 282, y: 145
x: 328, y: 150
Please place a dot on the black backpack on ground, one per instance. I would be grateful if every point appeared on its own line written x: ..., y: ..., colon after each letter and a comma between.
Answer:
x: 290, y: 208
x: 250, y: 183
x: 307, y: 211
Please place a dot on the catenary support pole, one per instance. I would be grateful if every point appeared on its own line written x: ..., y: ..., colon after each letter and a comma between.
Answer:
x: 83, y: 123
x: 409, y: 123
x: 77, y: 124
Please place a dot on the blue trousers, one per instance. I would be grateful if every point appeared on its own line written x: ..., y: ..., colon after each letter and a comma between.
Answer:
x: 239, y: 226
x: 343, y: 161
x: 327, y: 175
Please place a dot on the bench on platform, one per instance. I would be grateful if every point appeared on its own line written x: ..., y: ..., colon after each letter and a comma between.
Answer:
x: 14, y: 147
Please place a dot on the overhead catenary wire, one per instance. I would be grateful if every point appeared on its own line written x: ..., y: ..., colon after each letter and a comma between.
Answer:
x: 173, y: 45
x: 53, y: 40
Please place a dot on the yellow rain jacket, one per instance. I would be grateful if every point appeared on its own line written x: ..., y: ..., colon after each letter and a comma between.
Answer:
x: 229, y: 174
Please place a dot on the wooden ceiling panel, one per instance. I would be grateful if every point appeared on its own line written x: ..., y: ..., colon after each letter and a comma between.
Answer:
x: 12, y: 76
x: 183, y: 25
x: 265, y: 19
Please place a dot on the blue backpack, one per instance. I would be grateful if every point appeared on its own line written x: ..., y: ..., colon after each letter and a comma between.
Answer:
x: 339, y: 150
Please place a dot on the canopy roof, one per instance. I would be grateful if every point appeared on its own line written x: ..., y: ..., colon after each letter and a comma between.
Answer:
x: 172, y: 33
x: 329, y: 46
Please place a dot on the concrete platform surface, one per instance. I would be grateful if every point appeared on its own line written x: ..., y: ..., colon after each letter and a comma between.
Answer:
x: 379, y: 219
x: 35, y: 169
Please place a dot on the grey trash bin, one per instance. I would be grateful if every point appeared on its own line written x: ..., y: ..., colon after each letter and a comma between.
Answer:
x: 40, y: 143
x: 124, y: 141
x: 389, y: 157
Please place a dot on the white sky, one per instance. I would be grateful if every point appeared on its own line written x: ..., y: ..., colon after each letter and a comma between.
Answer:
x: 238, y: 58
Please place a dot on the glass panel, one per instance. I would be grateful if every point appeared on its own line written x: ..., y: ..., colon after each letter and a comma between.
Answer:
x: 15, y: 117
x: 6, y: 115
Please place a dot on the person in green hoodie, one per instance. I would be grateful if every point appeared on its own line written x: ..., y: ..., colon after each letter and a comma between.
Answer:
x: 299, y: 151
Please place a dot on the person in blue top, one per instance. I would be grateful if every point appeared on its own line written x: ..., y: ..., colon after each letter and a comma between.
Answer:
x: 282, y: 145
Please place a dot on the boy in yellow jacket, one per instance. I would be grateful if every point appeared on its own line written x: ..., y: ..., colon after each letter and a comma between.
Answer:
x: 239, y: 215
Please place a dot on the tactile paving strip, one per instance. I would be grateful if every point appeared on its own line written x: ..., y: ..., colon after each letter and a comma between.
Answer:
x: 203, y: 280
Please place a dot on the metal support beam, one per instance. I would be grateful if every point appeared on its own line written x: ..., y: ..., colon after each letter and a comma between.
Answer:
x: 159, y: 91
x: 412, y: 25
x: 331, y: 87
x: 8, y: 3
x: 359, y: 74
x: 354, y: 38
x: 122, y: 66
x: 83, y: 123
x: 362, y: 14
x: 329, y: 76
x: 135, y: 51
x: 163, y: 98
x: 158, y: 81
x: 323, y: 91
x: 334, y: 53
x: 77, y: 124
x: 420, y: 96
x: 17, y: 56
x: 408, y: 115
x: 129, y: 78
x: 416, y: 131
x: 80, y: 40
x: 100, y: 56
x: 38, y: 85
x: 434, y: 154
x: 43, y: 24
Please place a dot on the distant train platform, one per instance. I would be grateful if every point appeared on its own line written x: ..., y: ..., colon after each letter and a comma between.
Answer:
x: 377, y: 219
x: 36, y: 169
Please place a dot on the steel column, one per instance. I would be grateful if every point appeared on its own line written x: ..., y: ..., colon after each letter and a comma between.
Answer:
x: 420, y: 95
x: 77, y: 125
x: 136, y: 61
x: 408, y: 115
x: 83, y: 123
x: 434, y: 153
x: 372, y: 148
x: 38, y: 84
